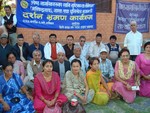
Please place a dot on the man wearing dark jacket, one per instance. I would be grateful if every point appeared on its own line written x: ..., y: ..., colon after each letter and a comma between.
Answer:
x: 61, y: 66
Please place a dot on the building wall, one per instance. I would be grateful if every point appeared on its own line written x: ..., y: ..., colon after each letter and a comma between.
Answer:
x: 105, y: 23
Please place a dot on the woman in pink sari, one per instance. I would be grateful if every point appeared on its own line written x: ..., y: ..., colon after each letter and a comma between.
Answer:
x: 143, y: 61
x: 126, y: 76
x: 47, y: 88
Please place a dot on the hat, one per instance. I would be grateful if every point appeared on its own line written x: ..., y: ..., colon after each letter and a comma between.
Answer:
x: 3, y: 36
x: 20, y: 36
x: 60, y: 50
x: 103, y: 50
x: 76, y: 46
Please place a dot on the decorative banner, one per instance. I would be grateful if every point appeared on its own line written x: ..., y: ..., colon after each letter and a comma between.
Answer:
x: 128, y: 11
x: 47, y: 14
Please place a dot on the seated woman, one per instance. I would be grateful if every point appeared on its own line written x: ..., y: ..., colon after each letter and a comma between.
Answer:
x: 47, y: 88
x: 126, y: 76
x: 143, y: 61
x: 11, y: 99
x: 95, y: 81
x: 75, y: 84
x: 18, y: 65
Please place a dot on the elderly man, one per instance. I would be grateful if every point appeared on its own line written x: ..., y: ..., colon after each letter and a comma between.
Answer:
x: 106, y: 66
x: 61, y: 66
x: 21, y: 49
x: 36, y: 45
x: 52, y: 47
x: 10, y: 21
x: 133, y: 40
x: 77, y: 55
x: 33, y: 67
x: 96, y: 46
x: 5, y: 48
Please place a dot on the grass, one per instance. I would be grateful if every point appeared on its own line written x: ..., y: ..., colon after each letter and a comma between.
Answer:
x: 140, y: 105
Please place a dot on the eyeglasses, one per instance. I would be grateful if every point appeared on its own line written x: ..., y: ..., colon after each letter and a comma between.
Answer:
x: 133, y: 25
x: 82, y: 40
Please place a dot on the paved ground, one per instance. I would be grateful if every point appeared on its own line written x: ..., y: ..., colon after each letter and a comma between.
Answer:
x: 141, y: 105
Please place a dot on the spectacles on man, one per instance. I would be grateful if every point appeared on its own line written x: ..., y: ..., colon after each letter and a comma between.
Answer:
x: 82, y: 40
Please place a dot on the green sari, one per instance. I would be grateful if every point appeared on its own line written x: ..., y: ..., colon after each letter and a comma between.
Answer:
x: 93, y: 79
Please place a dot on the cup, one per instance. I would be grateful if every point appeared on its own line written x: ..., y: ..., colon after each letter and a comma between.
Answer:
x: 74, y: 102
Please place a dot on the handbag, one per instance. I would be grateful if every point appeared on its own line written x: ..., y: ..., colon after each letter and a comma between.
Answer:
x: 68, y: 108
x: 55, y: 109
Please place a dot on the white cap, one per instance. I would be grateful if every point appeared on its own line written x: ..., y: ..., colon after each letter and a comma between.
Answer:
x: 103, y: 50
x: 60, y: 50
x: 76, y: 46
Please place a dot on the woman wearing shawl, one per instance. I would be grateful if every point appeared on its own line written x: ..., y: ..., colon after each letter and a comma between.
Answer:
x: 143, y: 61
x: 95, y: 81
x: 11, y: 99
x: 126, y: 75
x: 47, y: 88
x: 75, y: 84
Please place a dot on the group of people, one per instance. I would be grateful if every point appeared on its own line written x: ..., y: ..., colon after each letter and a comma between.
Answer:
x: 36, y: 76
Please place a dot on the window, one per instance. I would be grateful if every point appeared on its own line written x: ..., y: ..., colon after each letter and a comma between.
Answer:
x: 103, y: 6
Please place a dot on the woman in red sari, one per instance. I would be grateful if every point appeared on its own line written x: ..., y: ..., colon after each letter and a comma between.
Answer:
x: 47, y: 88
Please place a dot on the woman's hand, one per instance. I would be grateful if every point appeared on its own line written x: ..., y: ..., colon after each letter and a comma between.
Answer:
x: 51, y: 103
x: 84, y: 99
x: 6, y: 107
x: 128, y: 87
x: 29, y: 97
x: 108, y: 92
x: 146, y: 77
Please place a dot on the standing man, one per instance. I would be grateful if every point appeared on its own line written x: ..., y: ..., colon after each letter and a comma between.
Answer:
x: 52, y: 47
x: 69, y: 47
x: 96, y: 46
x: 133, y: 40
x: 10, y: 21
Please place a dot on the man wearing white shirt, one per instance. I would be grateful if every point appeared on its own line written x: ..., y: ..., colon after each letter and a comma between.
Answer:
x: 52, y: 47
x: 84, y: 46
x: 96, y: 46
x: 133, y: 40
x: 77, y: 55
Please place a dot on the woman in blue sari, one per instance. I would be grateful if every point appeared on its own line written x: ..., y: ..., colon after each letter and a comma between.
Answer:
x: 11, y: 99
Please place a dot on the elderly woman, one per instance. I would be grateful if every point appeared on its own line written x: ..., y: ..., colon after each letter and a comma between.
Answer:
x: 126, y: 76
x: 75, y: 84
x: 47, y: 88
x: 18, y: 65
x: 143, y: 61
x: 11, y: 99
